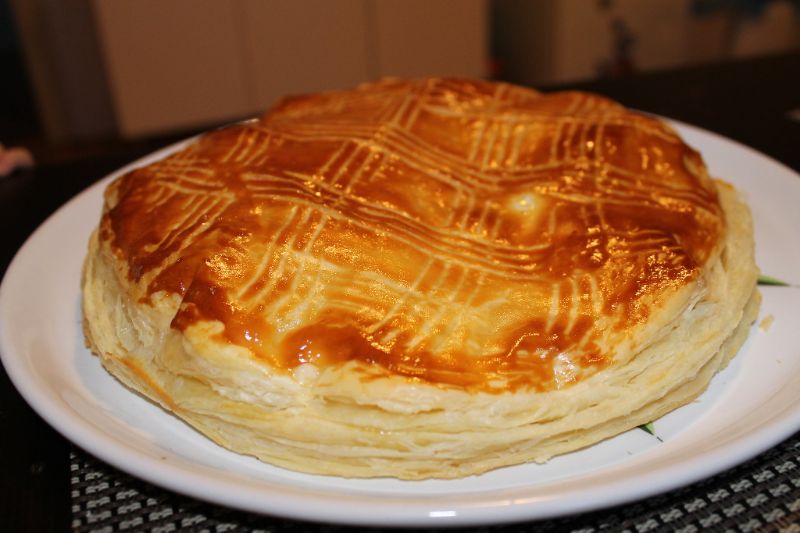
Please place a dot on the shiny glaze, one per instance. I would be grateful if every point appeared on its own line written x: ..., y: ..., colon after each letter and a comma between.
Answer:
x: 464, y: 233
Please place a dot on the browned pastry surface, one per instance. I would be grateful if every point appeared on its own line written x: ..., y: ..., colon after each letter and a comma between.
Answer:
x: 417, y: 279
x: 425, y: 205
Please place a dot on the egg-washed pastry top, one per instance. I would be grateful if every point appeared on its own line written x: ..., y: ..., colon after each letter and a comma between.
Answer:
x: 462, y: 233
x: 388, y: 246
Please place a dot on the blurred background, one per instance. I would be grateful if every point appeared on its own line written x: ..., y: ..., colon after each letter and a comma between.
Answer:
x: 81, y: 75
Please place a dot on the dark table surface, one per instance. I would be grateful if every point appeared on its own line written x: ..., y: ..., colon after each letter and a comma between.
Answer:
x: 756, y: 102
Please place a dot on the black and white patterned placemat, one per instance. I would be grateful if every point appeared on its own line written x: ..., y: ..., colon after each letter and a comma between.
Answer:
x: 760, y: 495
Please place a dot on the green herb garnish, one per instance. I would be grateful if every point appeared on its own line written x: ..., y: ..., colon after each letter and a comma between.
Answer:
x: 769, y: 280
x: 649, y: 427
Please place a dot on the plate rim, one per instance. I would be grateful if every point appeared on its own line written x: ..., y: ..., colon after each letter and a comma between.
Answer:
x: 386, y: 509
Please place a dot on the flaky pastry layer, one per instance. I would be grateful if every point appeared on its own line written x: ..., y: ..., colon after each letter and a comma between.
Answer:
x: 563, y: 342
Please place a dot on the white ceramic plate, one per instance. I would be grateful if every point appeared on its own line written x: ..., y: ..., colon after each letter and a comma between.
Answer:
x: 748, y: 408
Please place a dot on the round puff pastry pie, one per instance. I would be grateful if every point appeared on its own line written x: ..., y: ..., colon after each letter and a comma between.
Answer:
x: 416, y: 279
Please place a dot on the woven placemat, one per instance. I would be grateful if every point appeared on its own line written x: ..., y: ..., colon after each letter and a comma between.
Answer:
x: 760, y: 495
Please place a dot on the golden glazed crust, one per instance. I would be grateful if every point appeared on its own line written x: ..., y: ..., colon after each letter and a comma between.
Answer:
x: 422, y: 279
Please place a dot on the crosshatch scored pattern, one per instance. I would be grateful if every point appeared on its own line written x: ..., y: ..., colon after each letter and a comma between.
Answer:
x: 457, y: 201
